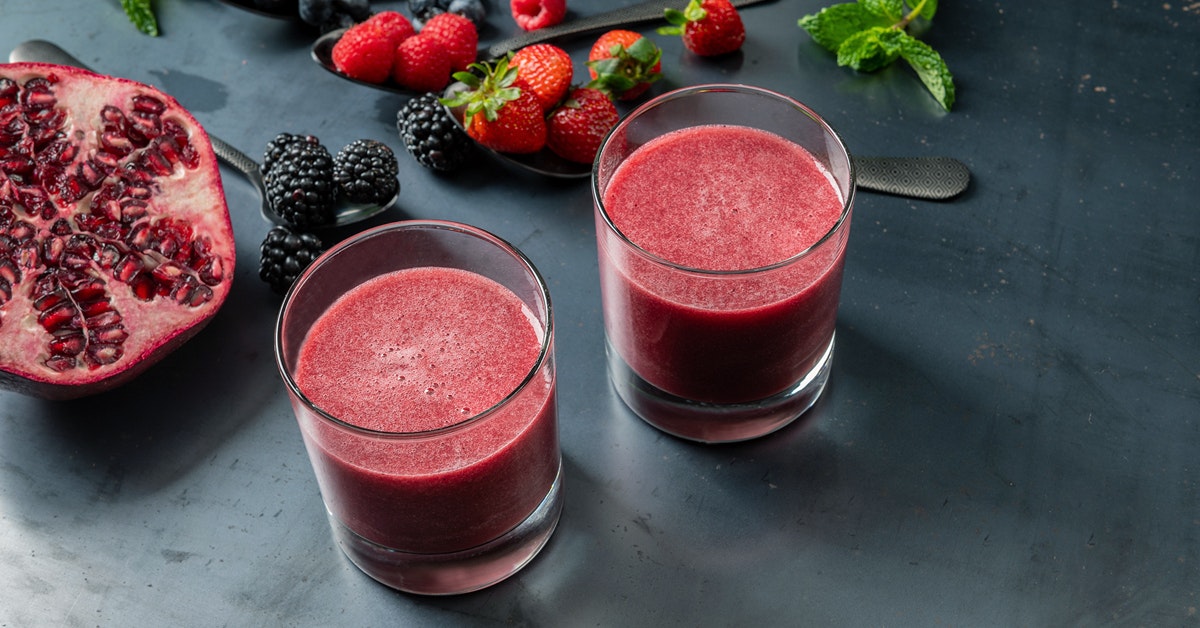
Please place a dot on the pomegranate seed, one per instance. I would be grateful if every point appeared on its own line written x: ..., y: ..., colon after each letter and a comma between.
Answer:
x: 128, y: 268
x: 100, y: 355
x: 109, y: 335
x: 115, y: 143
x: 105, y: 319
x: 57, y: 317
x: 148, y: 104
x: 68, y: 344
x: 52, y: 250
x: 143, y: 286
x: 9, y: 271
x: 60, y: 363
x: 143, y: 127
x: 48, y: 301
x: 93, y: 310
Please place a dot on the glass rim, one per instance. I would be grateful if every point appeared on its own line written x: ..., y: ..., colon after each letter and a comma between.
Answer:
x: 544, y: 352
x: 847, y: 203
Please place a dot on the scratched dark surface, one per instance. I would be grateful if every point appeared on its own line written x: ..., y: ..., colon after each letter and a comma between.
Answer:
x: 1010, y: 438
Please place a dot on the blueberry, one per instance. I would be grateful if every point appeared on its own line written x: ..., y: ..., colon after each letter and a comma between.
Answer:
x: 358, y: 10
x: 422, y: 10
x: 471, y: 9
x: 316, y: 12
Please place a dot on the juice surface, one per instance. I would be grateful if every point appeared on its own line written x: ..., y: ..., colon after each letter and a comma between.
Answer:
x: 421, y: 349
x: 418, y: 349
x: 721, y: 198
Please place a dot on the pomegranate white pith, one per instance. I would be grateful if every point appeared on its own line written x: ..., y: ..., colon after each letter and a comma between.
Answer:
x: 115, y: 239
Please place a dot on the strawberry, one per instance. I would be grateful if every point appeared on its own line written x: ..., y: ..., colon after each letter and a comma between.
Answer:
x: 577, y: 127
x: 624, y: 64
x: 421, y: 64
x: 497, y: 112
x: 392, y: 25
x: 457, y: 35
x: 531, y: 15
x: 709, y: 27
x: 544, y: 69
x: 364, y: 53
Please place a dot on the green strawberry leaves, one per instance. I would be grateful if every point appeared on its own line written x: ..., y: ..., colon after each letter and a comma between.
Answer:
x: 693, y: 12
x: 488, y: 88
x: 869, y: 35
x: 142, y: 15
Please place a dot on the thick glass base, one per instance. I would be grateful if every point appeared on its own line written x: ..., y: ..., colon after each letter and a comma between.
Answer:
x: 456, y: 572
x: 717, y: 422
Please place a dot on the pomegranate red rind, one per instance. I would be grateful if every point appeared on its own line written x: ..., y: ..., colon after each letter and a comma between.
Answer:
x: 115, y: 239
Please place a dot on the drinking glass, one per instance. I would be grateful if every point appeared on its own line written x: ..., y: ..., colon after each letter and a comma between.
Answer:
x: 437, y: 511
x: 720, y: 355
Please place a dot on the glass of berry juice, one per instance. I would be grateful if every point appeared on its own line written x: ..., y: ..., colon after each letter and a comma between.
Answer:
x: 419, y: 359
x: 722, y: 217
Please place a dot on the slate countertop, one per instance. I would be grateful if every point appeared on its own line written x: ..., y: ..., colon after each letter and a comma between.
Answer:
x: 1010, y: 436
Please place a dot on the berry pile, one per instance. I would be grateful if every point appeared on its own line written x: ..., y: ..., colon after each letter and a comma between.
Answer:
x: 304, y: 182
x: 387, y: 47
x: 525, y: 102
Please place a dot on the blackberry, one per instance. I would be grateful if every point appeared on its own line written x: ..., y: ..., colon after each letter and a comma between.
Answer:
x: 275, y: 149
x: 285, y: 254
x: 365, y: 171
x: 300, y: 185
x: 431, y: 135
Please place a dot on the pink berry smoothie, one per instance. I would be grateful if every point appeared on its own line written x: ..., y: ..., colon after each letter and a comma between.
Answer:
x: 420, y: 350
x: 726, y: 199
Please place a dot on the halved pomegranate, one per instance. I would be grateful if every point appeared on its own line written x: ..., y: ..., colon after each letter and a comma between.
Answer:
x: 115, y: 240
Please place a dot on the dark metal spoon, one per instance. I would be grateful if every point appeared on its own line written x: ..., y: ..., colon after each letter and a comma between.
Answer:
x: 37, y: 50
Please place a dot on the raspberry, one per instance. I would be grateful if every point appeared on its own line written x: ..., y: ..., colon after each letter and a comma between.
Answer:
x: 300, y: 185
x: 534, y: 14
x: 431, y: 135
x: 421, y: 64
x: 392, y: 25
x: 457, y: 35
x: 365, y: 171
x: 285, y: 254
x: 364, y: 52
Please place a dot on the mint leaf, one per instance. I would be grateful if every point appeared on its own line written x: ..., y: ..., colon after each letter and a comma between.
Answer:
x: 142, y: 15
x: 891, y: 9
x: 869, y: 35
x: 927, y: 8
x: 930, y: 68
x: 835, y: 24
x: 870, y: 50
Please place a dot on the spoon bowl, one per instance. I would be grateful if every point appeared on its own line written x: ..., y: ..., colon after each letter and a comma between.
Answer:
x: 322, y: 53
x: 543, y: 162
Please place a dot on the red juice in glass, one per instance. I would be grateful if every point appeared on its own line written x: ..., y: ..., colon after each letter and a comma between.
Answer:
x: 426, y: 398
x: 721, y: 250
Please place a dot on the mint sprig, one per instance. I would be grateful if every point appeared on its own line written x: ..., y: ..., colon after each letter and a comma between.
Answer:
x: 869, y: 35
x: 142, y: 15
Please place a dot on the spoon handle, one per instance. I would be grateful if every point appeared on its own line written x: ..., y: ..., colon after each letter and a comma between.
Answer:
x: 934, y: 178
x: 39, y: 50
x: 643, y: 12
